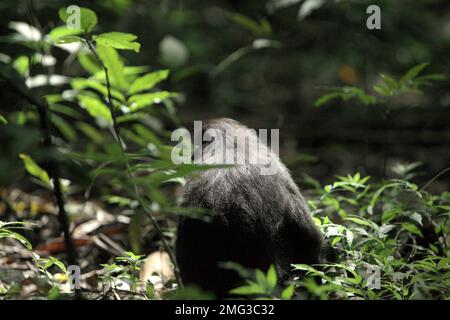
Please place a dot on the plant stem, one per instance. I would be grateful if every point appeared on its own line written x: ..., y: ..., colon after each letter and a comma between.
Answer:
x: 53, y: 172
x: 116, y: 131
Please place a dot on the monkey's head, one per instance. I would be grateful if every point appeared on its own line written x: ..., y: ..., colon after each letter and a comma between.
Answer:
x: 226, y: 141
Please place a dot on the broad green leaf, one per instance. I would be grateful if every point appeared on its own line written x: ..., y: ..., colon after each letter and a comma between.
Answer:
x: 118, y: 40
x: 148, y: 81
x: 88, y: 18
x: 95, y: 107
x: 34, y: 169
x: 114, y: 65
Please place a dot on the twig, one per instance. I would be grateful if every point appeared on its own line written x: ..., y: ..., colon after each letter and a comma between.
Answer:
x: 116, y: 130
x: 52, y: 170
x: 434, y: 178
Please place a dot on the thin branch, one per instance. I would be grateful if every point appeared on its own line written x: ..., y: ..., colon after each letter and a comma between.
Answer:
x: 52, y: 170
x: 142, y: 203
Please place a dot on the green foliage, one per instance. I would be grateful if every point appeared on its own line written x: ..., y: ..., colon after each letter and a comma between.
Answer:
x: 88, y: 18
x: 124, y: 268
x: 411, y: 82
x: 392, y: 226
x: 118, y: 40
x: 35, y: 170
x: 7, y: 231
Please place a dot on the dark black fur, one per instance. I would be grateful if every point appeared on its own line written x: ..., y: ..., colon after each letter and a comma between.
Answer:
x: 259, y: 220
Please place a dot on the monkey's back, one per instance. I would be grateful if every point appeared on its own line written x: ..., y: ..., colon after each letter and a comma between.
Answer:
x: 258, y: 220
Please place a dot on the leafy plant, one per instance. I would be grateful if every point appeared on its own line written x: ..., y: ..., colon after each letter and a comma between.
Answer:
x: 410, y: 82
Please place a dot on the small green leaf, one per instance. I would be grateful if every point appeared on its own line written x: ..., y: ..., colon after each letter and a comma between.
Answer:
x: 272, y: 277
x: 389, y: 215
x: 88, y: 18
x: 250, y: 289
x: 59, y: 33
x: 412, y: 228
x: 34, y: 169
x: 5, y: 233
x: 144, y: 100
x: 3, y: 120
x: 327, y: 98
x: 53, y: 294
x: 88, y: 62
x: 150, y: 290
x: 412, y: 73
x: 288, y: 292
x: 118, y: 40
x: 95, y: 107
x: 148, y: 81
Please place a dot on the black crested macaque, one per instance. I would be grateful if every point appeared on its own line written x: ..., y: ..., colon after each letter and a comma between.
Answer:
x: 258, y: 219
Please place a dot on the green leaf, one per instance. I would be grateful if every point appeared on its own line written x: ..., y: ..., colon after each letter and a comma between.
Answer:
x: 250, y: 289
x: 327, y: 98
x: 90, y: 132
x: 11, y: 234
x: 361, y: 221
x: 389, y: 215
x: 64, y: 127
x: 148, y: 81
x: 150, y: 290
x: 88, y: 62
x: 34, y: 169
x: 413, y: 72
x: 60, y: 33
x: 118, y: 40
x: 114, y: 65
x: 389, y: 81
x: 250, y: 24
x: 22, y: 65
x: 144, y: 100
x: 53, y: 294
x: 82, y: 83
x: 288, y: 292
x: 272, y: 277
x: 88, y: 18
x: 412, y: 228
x: 95, y: 107
x: 3, y: 120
